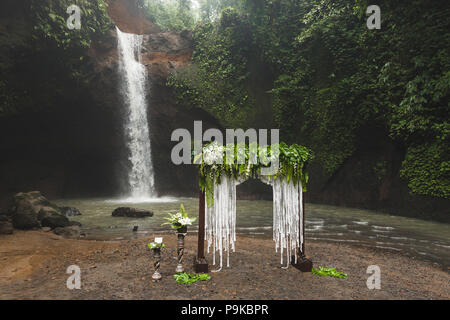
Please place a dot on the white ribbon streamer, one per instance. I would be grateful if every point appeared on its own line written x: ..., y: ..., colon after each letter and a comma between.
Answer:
x: 220, y: 222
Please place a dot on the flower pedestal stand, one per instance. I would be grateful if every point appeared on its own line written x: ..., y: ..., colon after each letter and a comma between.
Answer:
x: 157, y: 257
x: 181, y: 233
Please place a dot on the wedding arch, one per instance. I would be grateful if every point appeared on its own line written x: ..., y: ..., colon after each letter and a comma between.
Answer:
x: 222, y: 168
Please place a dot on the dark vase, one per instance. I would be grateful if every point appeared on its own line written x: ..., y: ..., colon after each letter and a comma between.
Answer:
x: 183, y: 229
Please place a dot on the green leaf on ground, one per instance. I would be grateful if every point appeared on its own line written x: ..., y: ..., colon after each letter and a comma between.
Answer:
x: 329, y: 272
x: 188, y: 278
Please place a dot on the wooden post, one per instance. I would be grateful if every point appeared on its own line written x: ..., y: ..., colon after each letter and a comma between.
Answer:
x: 201, y: 227
x: 303, y: 223
x: 303, y: 264
x: 200, y: 263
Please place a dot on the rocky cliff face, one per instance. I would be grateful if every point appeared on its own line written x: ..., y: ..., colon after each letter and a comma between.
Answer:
x: 162, y: 53
x: 78, y: 150
x: 129, y: 18
x: 370, y: 179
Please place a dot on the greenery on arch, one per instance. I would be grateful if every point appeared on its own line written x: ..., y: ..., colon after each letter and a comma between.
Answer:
x: 246, y: 161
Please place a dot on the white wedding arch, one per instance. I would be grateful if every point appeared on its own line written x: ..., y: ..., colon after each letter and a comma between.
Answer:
x: 217, y: 202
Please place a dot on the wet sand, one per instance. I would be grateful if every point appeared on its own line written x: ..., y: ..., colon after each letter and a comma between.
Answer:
x: 33, y: 266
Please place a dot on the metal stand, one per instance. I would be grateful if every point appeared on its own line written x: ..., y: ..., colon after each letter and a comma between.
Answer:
x: 200, y: 263
x: 157, y: 256
x: 181, y: 233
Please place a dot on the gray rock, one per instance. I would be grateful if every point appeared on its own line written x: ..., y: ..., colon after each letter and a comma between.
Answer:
x: 25, y: 216
x: 68, y: 232
x: 49, y: 217
x: 131, y: 212
x: 35, y: 199
x: 33, y: 210
x: 6, y: 227
x: 26, y: 208
x: 70, y: 211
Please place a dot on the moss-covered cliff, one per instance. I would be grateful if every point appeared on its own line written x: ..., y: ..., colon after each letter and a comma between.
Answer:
x: 61, y: 120
x: 359, y: 100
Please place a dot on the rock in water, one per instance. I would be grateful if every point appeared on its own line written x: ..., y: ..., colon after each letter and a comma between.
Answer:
x: 70, y: 211
x: 49, y: 217
x: 32, y: 208
x: 68, y: 232
x: 131, y: 212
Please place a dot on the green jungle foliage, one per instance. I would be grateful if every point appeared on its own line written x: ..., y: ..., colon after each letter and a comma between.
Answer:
x: 40, y: 58
x: 333, y: 77
x: 170, y: 14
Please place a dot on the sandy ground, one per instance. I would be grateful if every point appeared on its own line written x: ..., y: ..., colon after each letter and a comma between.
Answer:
x: 33, y: 266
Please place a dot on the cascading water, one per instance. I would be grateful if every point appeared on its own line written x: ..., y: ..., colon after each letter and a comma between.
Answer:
x: 134, y: 76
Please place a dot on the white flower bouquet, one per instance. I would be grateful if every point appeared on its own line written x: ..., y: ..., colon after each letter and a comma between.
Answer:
x: 180, y: 219
x: 213, y: 153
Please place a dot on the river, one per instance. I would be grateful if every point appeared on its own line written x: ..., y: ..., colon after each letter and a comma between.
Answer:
x: 424, y: 240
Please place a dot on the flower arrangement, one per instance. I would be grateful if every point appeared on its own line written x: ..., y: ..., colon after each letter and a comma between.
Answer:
x: 238, y: 160
x: 213, y: 153
x: 155, y: 245
x: 179, y: 219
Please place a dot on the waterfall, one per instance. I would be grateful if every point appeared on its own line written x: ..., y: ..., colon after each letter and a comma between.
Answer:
x: 133, y: 77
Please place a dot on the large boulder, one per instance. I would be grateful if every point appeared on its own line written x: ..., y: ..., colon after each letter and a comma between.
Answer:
x: 5, y: 225
x: 33, y: 210
x: 34, y: 199
x: 70, y: 211
x: 25, y: 212
x: 49, y: 217
x: 131, y: 212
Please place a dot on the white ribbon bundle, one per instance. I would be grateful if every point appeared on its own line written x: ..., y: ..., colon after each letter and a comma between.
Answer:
x: 220, y: 222
x: 287, y: 223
